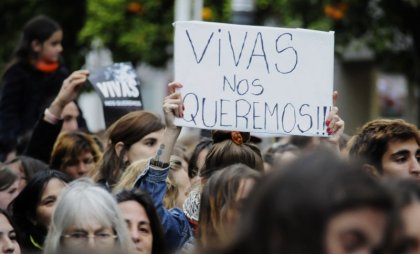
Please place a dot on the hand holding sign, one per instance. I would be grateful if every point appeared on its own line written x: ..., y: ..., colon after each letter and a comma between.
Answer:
x: 172, y: 105
x: 118, y: 86
x: 68, y: 92
x: 335, y: 125
x: 71, y: 87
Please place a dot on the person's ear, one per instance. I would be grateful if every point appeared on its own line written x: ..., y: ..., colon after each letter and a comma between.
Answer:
x: 371, y: 170
x: 118, y: 148
x: 36, y: 46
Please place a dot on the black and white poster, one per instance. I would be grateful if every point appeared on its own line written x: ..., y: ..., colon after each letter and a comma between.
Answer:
x: 119, y: 89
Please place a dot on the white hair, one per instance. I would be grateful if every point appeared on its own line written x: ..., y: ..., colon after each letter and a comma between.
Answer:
x: 81, y: 203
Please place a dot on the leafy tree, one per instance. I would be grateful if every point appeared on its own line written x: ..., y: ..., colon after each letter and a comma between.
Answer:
x: 134, y: 30
x: 388, y: 27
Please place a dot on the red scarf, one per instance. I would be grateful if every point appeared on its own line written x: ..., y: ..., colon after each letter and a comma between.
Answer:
x: 47, y: 67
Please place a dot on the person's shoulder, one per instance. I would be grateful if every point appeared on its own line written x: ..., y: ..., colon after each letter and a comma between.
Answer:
x: 17, y: 67
x: 16, y: 73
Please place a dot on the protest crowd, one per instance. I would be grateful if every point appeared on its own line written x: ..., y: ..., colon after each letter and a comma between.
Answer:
x: 139, y: 189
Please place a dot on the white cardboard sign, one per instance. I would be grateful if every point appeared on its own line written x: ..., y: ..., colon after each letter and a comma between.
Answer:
x: 256, y: 79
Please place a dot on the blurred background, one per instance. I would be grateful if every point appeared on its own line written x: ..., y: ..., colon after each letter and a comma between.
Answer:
x: 377, y: 43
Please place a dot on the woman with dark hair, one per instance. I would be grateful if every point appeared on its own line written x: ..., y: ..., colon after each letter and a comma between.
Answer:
x: 136, y: 135
x: 9, y: 186
x: 9, y: 241
x: 26, y: 167
x: 317, y: 204
x: 142, y: 220
x: 33, y: 207
x: 31, y: 81
x: 75, y: 153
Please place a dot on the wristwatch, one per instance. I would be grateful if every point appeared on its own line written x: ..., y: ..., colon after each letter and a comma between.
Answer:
x: 159, y: 164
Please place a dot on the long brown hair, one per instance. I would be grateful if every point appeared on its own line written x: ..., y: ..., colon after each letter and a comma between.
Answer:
x: 129, y: 129
x: 218, y: 203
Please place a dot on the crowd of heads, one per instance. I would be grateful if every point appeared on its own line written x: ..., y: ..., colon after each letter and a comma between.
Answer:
x: 220, y: 194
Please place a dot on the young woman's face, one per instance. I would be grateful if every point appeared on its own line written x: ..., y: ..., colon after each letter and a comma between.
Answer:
x: 355, y: 231
x: 8, y: 238
x: 51, y: 49
x: 138, y: 224
x: 48, y: 201
x: 7, y: 195
x: 80, y: 166
x: 145, y: 147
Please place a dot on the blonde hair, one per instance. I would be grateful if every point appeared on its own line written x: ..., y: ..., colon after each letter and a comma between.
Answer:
x: 130, y: 175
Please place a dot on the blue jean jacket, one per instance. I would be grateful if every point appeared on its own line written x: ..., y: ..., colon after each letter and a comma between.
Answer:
x: 175, y: 224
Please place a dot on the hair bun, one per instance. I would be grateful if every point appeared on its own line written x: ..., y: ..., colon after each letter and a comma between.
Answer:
x: 236, y: 136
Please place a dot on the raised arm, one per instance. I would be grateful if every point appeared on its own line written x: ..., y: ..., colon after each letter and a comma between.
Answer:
x: 49, y: 126
x: 335, y: 125
x: 172, y: 107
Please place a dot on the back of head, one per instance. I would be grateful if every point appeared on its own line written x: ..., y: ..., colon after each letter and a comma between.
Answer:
x: 371, y: 141
x: 230, y: 148
x: 219, y: 206
x: 81, y: 205
x: 129, y: 129
x: 39, y: 28
x: 289, y: 210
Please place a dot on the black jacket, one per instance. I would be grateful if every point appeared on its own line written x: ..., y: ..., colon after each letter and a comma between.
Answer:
x: 25, y: 93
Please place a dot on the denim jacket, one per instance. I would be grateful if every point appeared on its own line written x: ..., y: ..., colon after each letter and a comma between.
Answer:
x: 175, y: 224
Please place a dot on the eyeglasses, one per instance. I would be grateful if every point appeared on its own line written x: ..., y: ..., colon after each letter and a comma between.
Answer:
x: 83, y: 238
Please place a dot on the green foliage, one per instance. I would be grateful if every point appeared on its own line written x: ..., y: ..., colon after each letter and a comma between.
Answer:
x: 381, y: 25
x: 133, y: 30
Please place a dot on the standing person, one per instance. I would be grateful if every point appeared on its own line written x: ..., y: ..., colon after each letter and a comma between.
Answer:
x: 32, y: 79
x: 9, y: 241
